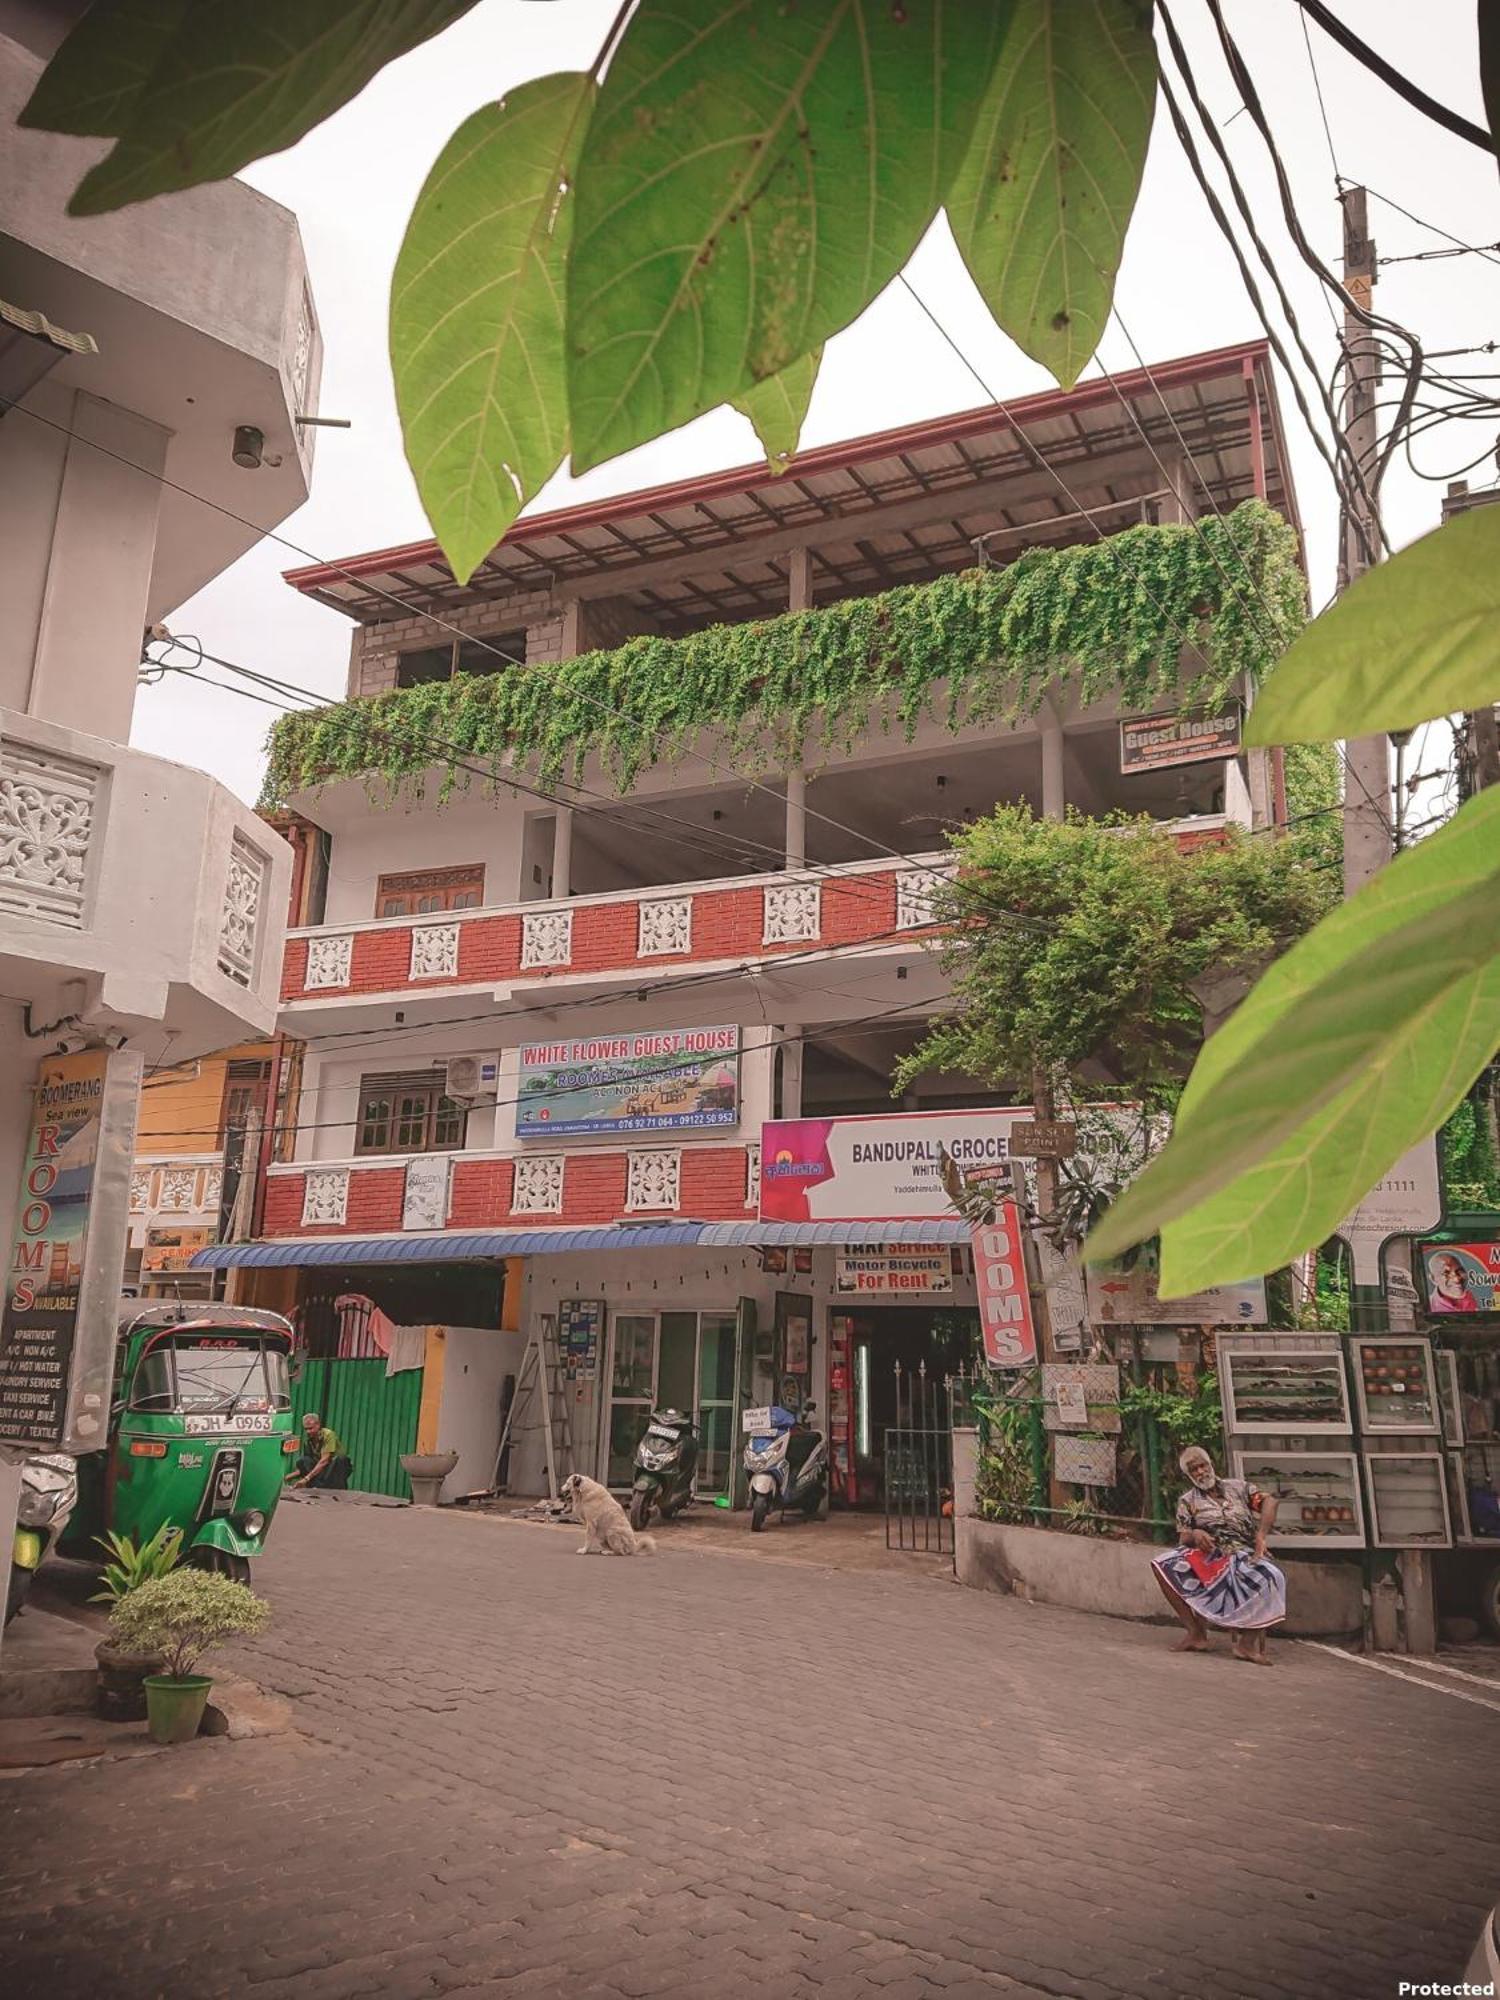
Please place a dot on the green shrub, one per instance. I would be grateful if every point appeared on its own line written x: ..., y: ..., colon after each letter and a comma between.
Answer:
x: 183, y: 1614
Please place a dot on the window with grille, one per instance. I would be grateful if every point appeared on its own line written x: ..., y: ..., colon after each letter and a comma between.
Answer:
x: 430, y: 889
x: 408, y: 1114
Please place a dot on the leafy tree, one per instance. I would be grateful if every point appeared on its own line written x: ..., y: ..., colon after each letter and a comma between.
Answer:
x: 1117, y: 925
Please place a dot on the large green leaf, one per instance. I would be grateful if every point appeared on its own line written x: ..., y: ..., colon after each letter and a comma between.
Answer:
x: 91, y: 85
x: 755, y: 172
x: 1298, y: 1196
x: 778, y: 408
x: 477, y: 315
x: 1414, y: 638
x: 1363, y: 1004
x: 228, y: 83
x: 1041, y: 203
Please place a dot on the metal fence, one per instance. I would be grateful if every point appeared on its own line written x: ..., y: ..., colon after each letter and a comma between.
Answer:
x: 1130, y: 1491
x: 918, y: 1463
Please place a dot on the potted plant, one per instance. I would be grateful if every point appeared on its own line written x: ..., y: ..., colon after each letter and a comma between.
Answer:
x: 122, y: 1669
x: 181, y: 1615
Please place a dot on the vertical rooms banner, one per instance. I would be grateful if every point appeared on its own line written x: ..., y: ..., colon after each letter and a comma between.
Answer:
x: 62, y: 1295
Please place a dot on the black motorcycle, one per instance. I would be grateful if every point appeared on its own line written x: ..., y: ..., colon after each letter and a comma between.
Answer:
x: 666, y: 1460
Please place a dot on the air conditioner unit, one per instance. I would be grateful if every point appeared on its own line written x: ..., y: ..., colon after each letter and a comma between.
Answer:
x: 467, y: 1078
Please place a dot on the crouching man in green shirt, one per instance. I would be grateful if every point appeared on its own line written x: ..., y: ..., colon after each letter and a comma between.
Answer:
x: 323, y: 1462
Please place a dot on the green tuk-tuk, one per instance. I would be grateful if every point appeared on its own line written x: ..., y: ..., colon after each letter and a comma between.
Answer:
x: 200, y: 1433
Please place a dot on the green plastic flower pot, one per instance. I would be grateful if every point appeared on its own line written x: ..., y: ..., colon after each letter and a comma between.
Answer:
x: 174, y: 1708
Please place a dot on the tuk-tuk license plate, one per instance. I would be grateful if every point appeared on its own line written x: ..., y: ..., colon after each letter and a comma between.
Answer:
x: 239, y: 1423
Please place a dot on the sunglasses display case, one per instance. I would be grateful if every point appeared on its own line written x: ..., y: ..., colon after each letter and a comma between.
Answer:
x: 1408, y: 1500
x: 1318, y: 1502
x: 1271, y: 1389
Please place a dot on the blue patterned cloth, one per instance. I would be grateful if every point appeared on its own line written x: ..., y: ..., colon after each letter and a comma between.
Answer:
x: 1229, y: 1588
x: 1237, y: 1593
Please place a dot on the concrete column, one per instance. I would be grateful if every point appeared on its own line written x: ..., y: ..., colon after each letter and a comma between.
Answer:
x: 562, y: 852
x: 1177, y: 507
x: 1054, y: 785
x: 799, y: 598
x: 792, y: 1046
x: 796, y: 819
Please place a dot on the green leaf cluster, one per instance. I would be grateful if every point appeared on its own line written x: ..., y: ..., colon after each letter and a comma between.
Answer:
x: 129, y: 1565
x: 1371, y: 1031
x: 1106, y: 618
x: 1471, y: 1172
x: 610, y: 252
x: 184, y: 1614
x: 1119, y: 922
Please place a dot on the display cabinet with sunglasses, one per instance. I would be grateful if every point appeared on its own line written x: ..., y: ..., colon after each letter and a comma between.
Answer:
x: 1275, y: 1389
x: 1408, y: 1500
x: 1395, y: 1383
x: 1317, y: 1495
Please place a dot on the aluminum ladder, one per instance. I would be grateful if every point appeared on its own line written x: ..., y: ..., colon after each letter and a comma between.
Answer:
x: 541, y: 1381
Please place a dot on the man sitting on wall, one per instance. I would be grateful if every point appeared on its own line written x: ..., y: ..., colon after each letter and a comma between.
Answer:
x: 324, y: 1462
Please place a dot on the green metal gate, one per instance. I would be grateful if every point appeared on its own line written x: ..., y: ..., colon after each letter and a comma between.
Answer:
x: 375, y: 1415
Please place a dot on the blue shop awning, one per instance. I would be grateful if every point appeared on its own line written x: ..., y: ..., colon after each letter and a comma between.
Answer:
x: 452, y: 1246
x: 462, y: 1246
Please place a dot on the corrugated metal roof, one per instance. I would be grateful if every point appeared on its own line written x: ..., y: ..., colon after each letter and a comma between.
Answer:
x: 454, y: 1246
x: 718, y: 544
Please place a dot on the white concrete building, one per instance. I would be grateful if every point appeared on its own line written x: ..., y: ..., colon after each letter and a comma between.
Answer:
x: 138, y: 900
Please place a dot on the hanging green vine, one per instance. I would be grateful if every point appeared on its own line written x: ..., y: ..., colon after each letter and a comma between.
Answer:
x: 1110, y: 617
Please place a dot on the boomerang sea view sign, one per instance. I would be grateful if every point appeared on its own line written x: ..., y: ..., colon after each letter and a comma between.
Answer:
x: 673, y: 1079
x: 57, y: 1331
x: 877, y: 1169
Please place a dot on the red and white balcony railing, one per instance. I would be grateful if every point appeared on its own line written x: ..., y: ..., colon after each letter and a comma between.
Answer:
x: 426, y: 1192
x: 680, y: 927
x: 657, y: 931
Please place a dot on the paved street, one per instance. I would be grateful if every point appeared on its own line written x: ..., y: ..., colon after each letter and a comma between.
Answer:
x: 719, y: 1773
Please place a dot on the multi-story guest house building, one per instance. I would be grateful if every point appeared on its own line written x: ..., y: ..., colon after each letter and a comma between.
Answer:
x: 627, y: 846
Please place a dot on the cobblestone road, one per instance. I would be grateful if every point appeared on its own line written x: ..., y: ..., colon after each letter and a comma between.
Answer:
x: 715, y: 1775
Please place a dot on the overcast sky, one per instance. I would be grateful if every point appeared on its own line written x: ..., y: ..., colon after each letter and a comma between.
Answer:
x: 353, y: 181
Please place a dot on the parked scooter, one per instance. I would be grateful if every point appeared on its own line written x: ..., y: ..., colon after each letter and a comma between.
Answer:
x: 787, y: 1461
x: 49, y: 1493
x: 666, y: 1460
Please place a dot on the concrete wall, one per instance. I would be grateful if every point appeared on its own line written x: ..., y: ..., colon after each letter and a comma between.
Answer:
x: 1091, y: 1573
x: 486, y: 828
x: 476, y: 1361
x: 203, y: 320
x: 138, y: 947
x: 77, y: 549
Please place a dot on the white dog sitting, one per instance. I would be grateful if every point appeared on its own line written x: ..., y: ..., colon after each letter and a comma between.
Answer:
x: 609, y: 1532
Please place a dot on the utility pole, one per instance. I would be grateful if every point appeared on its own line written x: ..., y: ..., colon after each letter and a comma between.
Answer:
x: 1368, y: 839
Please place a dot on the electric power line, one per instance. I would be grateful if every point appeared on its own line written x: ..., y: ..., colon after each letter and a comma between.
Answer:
x: 1340, y: 32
